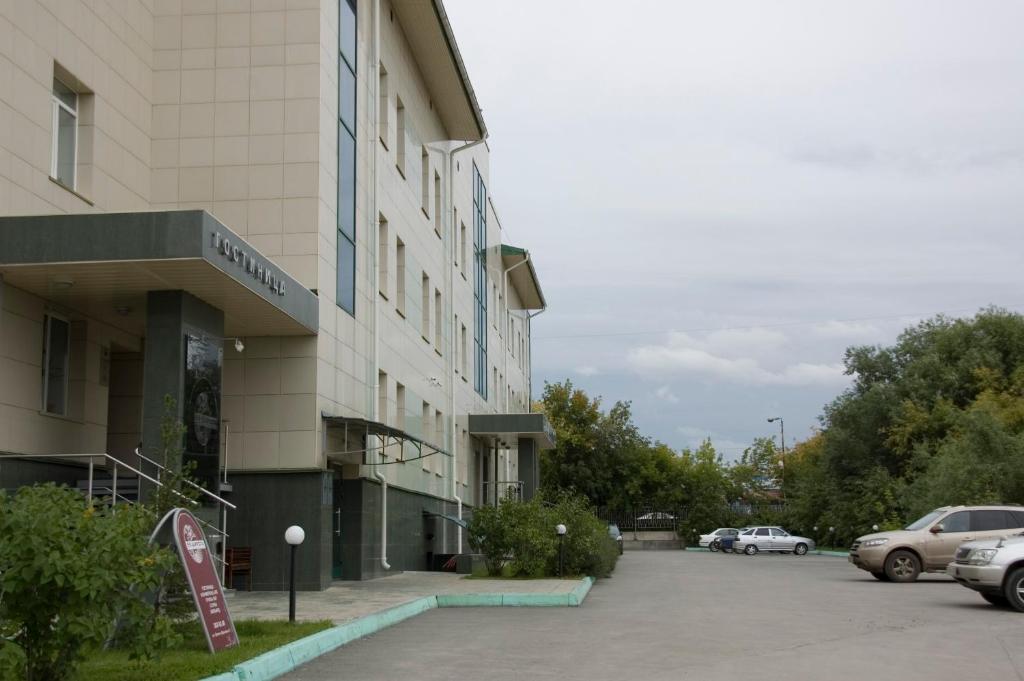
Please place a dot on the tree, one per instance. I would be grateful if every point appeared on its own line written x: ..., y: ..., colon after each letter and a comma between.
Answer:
x: 70, y: 568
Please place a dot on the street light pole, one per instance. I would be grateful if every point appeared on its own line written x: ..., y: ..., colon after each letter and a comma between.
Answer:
x: 560, y: 531
x: 782, y: 440
x: 294, y: 536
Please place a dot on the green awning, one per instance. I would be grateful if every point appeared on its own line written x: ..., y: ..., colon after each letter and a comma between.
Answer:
x: 523, y: 278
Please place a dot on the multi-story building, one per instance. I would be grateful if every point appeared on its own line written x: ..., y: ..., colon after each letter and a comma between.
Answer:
x: 278, y: 214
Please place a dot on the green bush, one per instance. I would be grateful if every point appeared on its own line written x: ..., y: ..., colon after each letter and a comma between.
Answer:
x: 70, y: 571
x: 522, y: 536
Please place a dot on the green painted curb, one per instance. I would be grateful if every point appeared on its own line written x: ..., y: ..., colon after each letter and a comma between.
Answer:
x: 282, y: 660
x: 468, y: 600
x: 577, y: 595
x: 837, y: 554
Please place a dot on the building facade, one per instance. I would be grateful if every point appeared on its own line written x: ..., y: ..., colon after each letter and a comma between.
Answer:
x: 276, y: 213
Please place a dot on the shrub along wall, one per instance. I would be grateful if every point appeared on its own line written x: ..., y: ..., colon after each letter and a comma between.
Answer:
x: 521, y: 536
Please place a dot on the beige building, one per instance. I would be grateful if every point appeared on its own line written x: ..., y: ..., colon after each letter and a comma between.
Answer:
x: 276, y: 212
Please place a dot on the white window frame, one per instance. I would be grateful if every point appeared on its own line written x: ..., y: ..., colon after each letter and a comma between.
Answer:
x: 47, y: 350
x: 57, y: 105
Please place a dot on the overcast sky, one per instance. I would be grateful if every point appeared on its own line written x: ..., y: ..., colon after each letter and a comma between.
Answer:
x: 721, y: 197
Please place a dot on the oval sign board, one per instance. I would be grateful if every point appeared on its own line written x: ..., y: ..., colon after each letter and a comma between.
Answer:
x: 202, y: 579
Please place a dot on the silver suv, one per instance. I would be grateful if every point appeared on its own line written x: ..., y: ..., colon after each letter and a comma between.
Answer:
x: 929, y: 543
x: 994, y: 568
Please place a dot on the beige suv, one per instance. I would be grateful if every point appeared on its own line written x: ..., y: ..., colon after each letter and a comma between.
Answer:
x: 930, y: 543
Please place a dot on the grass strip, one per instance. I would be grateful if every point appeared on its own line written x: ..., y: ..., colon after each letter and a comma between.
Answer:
x: 191, y: 659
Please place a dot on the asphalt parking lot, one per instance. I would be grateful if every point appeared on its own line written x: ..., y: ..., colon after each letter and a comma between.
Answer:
x: 708, y: 616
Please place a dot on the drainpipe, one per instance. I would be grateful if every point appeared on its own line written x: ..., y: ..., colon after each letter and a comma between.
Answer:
x: 504, y: 321
x: 529, y: 338
x: 454, y: 439
x: 375, y: 265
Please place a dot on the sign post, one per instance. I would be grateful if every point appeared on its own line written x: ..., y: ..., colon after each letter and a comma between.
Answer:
x: 197, y: 561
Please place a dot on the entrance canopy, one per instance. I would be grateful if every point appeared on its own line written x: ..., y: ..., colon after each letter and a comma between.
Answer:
x: 509, y: 428
x: 391, y: 442
x: 103, y: 265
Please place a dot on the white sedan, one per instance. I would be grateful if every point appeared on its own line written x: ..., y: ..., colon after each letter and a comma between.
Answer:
x: 770, y: 538
x: 708, y: 540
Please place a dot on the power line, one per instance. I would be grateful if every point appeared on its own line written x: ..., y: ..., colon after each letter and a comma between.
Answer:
x: 765, y: 326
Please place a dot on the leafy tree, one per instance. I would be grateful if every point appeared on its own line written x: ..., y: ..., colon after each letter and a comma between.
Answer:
x: 70, y: 568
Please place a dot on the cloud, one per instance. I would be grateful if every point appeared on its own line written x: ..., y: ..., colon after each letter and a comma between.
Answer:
x: 845, y: 330
x: 665, y: 393
x: 587, y: 370
x: 684, y: 354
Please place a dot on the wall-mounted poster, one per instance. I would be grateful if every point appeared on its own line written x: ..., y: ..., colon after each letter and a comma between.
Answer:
x: 201, y: 410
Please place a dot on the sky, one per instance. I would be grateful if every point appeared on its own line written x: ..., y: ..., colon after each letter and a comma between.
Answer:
x: 720, y: 198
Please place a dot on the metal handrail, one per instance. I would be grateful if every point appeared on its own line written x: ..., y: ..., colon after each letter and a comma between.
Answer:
x: 202, y: 489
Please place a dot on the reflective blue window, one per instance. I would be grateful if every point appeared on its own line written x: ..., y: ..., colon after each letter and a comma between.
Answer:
x: 346, y: 263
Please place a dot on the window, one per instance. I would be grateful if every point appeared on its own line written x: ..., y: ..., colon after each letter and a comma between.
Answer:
x: 399, y: 406
x: 438, y: 227
x: 56, y: 348
x: 438, y: 320
x: 465, y: 355
x: 462, y: 247
x: 986, y: 521
x: 776, y: 532
x: 455, y: 242
x: 425, y: 181
x: 382, y: 255
x: 346, y: 261
x: 762, y: 532
x: 382, y: 397
x: 64, y: 153
x: 455, y: 349
x: 957, y: 522
x: 425, y: 309
x: 384, y: 113
x: 400, y: 136
x: 399, y: 276
x: 479, y: 283
x: 427, y: 434
x: 438, y: 438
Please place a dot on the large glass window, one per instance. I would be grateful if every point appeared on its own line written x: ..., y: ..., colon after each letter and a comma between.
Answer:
x: 56, y: 346
x: 65, y: 134
x: 480, y: 283
x: 346, y: 293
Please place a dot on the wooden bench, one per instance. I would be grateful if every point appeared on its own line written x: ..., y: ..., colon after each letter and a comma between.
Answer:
x: 239, y: 560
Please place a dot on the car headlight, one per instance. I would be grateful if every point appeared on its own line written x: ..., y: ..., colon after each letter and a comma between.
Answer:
x: 981, y: 556
x: 868, y: 543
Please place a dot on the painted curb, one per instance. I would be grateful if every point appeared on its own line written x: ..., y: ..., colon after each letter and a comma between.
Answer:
x: 279, y: 661
x: 837, y: 554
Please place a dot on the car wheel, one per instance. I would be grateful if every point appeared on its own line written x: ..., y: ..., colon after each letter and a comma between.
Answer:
x: 750, y: 549
x: 800, y: 549
x: 714, y: 546
x: 880, y: 576
x: 996, y: 599
x: 902, y: 566
x: 1013, y: 589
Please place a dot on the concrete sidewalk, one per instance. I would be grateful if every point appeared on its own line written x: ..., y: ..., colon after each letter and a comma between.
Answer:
x: 346, y: 601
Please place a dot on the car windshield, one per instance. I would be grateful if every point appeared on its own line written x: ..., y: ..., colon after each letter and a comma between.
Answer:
x: 925, y: 521
x: 750, y: 531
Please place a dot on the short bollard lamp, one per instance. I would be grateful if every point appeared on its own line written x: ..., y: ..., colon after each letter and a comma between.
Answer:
x: 560, y: 531
x: 294, y: 535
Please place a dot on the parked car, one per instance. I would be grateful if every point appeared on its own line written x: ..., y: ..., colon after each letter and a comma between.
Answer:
x: 726, y: 542
x: 709, y: 540
x: 992, y: 567
x: 771, y: 538
x: 929, y: 543
x: 616, y: 534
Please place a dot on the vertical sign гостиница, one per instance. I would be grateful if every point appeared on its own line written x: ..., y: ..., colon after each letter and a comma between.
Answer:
x: 202, y: 578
